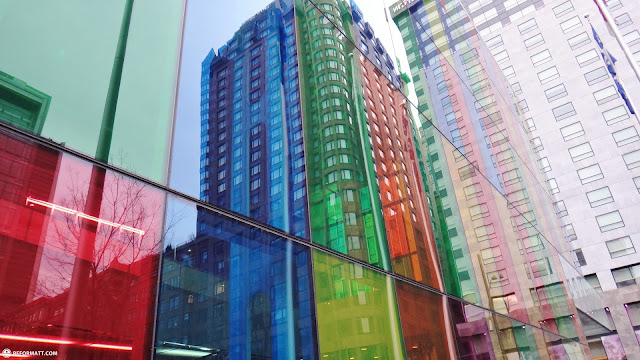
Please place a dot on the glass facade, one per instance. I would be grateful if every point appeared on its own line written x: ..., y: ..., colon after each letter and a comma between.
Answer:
x: 313, y: 211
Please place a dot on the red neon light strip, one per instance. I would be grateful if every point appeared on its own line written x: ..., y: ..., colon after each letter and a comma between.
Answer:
x: 110, y: 346
x: 31, y: 201
x: 35, y: 339
x: 63, y: 342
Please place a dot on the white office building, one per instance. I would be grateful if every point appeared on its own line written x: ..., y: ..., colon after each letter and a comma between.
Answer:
x: 587, y: 141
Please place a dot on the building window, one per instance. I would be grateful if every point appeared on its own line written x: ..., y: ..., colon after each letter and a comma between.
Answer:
x: 626, y: 276
x: 516, y: 88
x: 599, y: 196
x: 530, y: 124
x: 614, y: 5
x: 556, y: 92
x: 523, y: 107
x: 596, y: 76
x: 527, y: 26
x: 570, y: 24
x: 479, y: 211
x: 255, y: 184
x: 587, y: 57
x: 590, y: 174
x: 350, y: 219
x: 578, y: 257
x: 626, y: 136
x: 563, y: 8
x: 569, y: 232
x: 564, y: 111
x: 620, y: 247
x: 605, y: 95
x: 541, y: 58
x: 501, y: 57
x: 509, y: 72
x: 631, y: 38
x: 494, y: 42
x: 491, y: 255
x: 548, y: 75
x: 498, y: 278
x: 485, y: 232
x: 534, y: 41
x: 537, y: 144
x: 545, y: 166
x: 531, y: 243
x: 553, y: 186
x: 615, y: 115
x: 623, y: 20
x: 579, y: 40
x: 632, y: 159
x: 633, y: 311
x: 592, y: 279
x: 472, y: 191
x: 636, y: 182
x: 581, y: 152
x: 609, y: 221
x: 466, y: 172
x: 561, y: 208
x: 540, y: 268
x: 572, y: 131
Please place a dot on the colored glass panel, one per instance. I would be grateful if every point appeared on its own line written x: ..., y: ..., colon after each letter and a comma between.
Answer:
x: 251, y: 158
x: 479, y: 173
x: 232, y: 290
x: 425, y: 339
x: 343, y: 199
x: 356, y: 311
x: 68, y: 55
x: 297, y: 100
x: 76, y: 279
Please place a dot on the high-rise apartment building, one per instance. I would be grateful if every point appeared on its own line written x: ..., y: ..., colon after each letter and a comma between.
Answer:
x: 487, y: 194
x: 329, y: 222
x: 583, y: 133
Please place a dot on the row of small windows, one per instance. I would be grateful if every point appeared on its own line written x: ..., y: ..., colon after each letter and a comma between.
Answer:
x: 623, y: 276
x: 611, y: 116
x: 593, y: 172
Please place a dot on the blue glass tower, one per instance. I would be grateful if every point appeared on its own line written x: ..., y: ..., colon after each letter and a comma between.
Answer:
x: 252, y: 162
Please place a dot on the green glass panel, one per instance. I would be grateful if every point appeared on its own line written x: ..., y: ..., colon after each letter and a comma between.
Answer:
x: 329, y: 176
x: 356, y: 311
x: 62, y: 54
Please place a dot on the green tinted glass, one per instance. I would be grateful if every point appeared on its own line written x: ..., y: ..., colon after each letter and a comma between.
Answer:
x: 57, y: 66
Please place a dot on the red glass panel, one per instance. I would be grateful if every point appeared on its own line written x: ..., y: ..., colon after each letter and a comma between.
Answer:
x: 79, y: 252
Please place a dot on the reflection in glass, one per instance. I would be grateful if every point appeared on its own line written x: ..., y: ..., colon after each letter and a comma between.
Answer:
x: 234, y: 291
x: 252, y: 156
x: 500, y: 239
x: 357, y: 316
x: 21, y: 105
x: 425, y: 333
x: 59, y: 292
x: 343, y: 198
x: 68, y: 53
